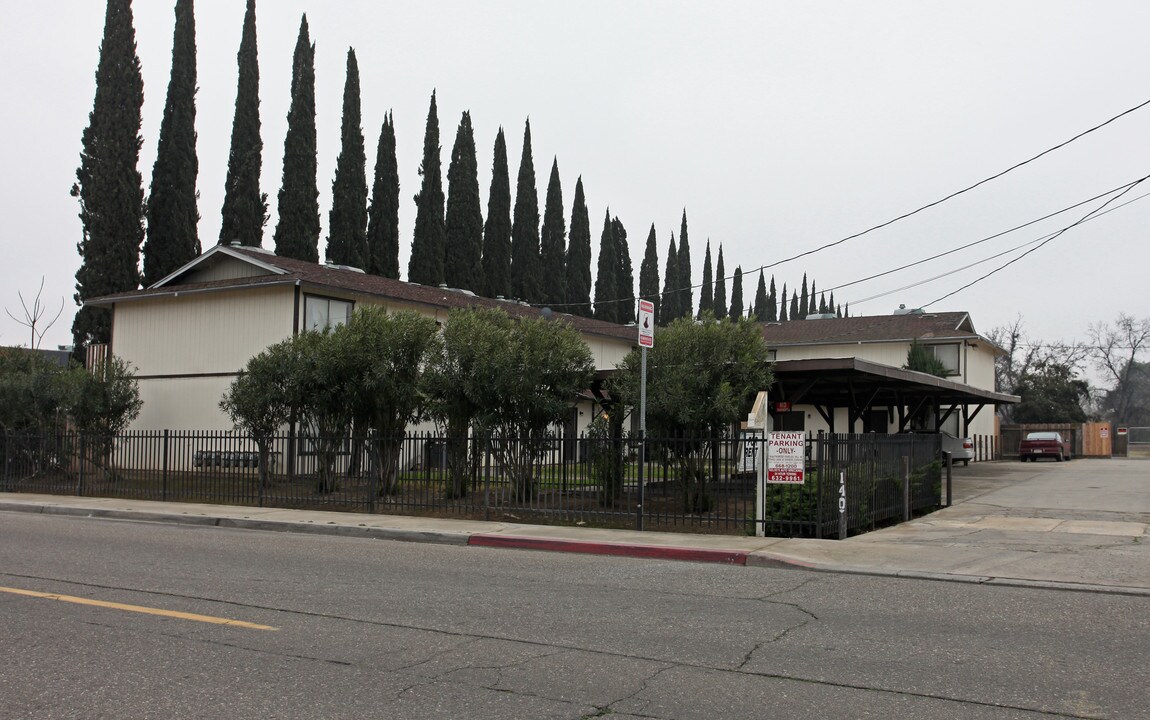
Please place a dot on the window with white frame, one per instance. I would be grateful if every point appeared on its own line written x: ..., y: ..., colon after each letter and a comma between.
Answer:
x: 947, y: 355
x: 321, y: 312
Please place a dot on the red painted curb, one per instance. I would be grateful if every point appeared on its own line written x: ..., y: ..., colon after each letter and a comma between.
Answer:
x: 657, y: 552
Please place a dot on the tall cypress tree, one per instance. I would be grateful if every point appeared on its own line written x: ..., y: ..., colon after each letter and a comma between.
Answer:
x: 822, y: 303
x: 463, y: 258
x: 297, y: 230
x: 762, y: 314
x: 173, y: 238
x: 525, y: 281
x: 686, y: 294
x: 553, y: 242
x: 772, y: 303
x: 497, y: 229
x: 606, y: 293
x: 347, y: 224
x: 831, y: 303
x: 579, y: 256
x: 795, y: 314
x: 649, y: 275
x: 707, y: 290
x: 625, y: 274
x: 426, y: 263
x: 803, y: 302
x: 812, y: 306
x: 108, y: 181
x: 383, y: 215
x: 736, y: 311
x: 783, y: 316
x: 670, y: 285
x: 245, y: 210
x: 720, y: 298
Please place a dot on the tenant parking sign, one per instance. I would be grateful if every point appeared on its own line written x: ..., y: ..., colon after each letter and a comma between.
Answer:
x: 786, y: 458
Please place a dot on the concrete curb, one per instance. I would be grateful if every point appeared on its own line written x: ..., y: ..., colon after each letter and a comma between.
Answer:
x: 750, y: 558
x: 633, y: 550
x: 422, y: 536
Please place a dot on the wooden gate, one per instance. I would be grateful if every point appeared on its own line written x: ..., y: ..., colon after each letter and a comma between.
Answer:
x: 1097, y: 439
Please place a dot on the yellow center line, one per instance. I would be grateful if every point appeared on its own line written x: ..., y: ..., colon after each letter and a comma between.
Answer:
x: 138, y: 608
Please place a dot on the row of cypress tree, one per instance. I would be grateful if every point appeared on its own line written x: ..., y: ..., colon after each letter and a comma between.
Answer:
x: 508, y: 254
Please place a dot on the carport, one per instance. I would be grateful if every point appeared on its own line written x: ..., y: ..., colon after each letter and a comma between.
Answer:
x: 864, y: 387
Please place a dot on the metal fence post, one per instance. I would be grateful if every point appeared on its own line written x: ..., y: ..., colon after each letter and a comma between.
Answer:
x: 905, y: 488
x: 80, y: 475
x: 844, y: 523
x: 820, y: 487
x: 164, y: 490
x: 486, y: 477
x: 949, y: 474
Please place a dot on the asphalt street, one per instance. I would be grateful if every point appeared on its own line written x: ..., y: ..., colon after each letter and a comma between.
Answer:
x: 376, y: 628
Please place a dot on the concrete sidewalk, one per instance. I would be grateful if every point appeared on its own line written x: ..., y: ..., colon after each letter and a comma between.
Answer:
x: 1083, y: 525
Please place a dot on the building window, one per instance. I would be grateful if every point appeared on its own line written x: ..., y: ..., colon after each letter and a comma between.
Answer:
x: 948, y: 355
x: 772, y: 355
x: 321, y: 313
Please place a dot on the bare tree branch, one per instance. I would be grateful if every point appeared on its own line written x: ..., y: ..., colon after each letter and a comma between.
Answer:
x: 33, y: 315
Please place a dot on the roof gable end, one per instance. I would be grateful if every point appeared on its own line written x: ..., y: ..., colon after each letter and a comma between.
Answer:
x: 223, y: 262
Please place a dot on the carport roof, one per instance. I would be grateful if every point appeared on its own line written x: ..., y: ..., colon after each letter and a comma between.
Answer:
x: 833, y: 382
x: 860, y: 385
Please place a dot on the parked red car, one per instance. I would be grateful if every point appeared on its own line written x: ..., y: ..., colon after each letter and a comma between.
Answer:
x: 1044, y: 445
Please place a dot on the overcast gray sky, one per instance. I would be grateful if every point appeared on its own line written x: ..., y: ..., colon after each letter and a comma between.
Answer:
x: 779, y: 126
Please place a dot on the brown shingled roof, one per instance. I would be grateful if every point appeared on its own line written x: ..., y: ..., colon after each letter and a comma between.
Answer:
x: 872, y: 328
x: 351, y: 281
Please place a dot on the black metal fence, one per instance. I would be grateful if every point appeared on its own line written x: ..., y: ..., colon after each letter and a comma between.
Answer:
x: 853, y: 483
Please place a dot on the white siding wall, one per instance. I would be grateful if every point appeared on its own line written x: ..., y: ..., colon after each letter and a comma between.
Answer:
x: 893, y: 354
x: 182, y: 404
x: 201, y: 333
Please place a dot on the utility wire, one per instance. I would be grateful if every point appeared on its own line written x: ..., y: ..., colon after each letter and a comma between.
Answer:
x: 894, y: 220
x: 1049, y: 236
x: 991, y: 237
x: 1090, y: 215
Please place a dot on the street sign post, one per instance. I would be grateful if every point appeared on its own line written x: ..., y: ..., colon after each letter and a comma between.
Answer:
x: 646, y: 340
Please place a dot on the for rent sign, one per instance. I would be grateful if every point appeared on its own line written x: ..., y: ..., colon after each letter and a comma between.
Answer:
x: 786, y: 457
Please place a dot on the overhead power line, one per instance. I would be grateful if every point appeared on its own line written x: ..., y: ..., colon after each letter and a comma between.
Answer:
x: 1088, y: 216
x: 953, y: 270
x: 903, y: 216
x: 995, y: 236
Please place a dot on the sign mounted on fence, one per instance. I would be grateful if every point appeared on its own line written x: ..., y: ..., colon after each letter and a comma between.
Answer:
x: 786, y: 457
x: 749, y: 441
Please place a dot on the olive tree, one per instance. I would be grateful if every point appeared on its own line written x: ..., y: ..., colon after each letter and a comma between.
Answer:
x: 258, y: 401
x: 455, y: 385
x: 702, y: 377
x: 527, y: 379
x: 381, y: 359
x: 105, y: 400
